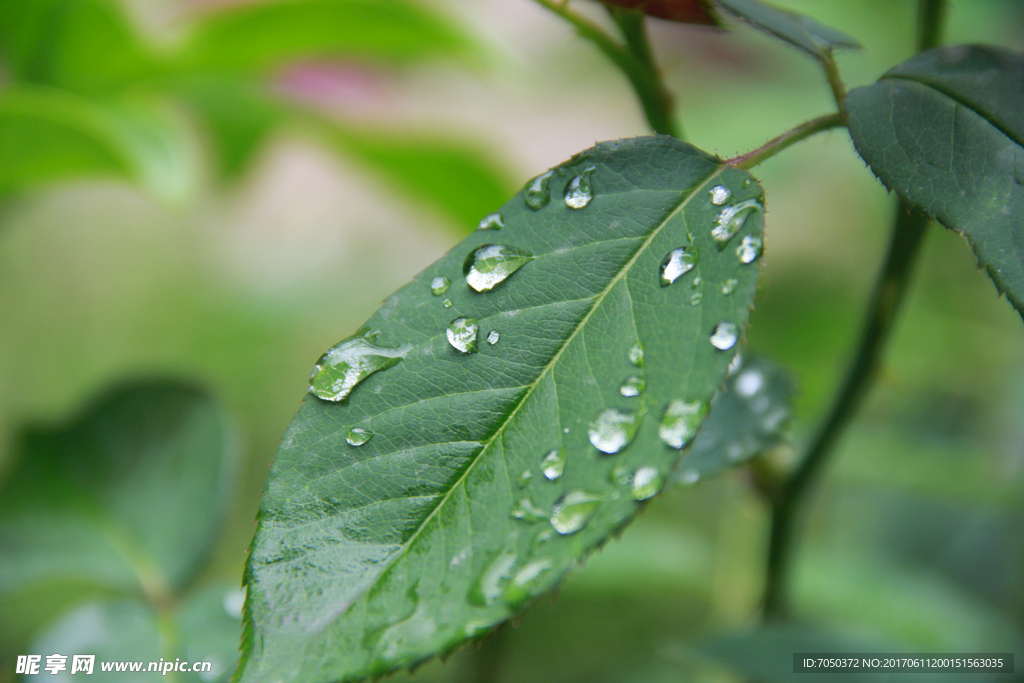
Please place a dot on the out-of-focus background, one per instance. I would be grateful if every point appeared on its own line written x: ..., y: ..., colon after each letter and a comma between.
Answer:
x: 217, y: 191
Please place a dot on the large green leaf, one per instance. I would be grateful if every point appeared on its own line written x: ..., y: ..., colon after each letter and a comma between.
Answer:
x: 445, y: 522
x: 800, y: 31
x: 129, y: 495
x: 945, y: 130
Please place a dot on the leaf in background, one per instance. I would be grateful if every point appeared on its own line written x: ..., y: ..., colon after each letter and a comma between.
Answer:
x: 255, y: 37
x: 945, y: 130
x: 479, y: 481
x: 798, y: 30
x: 685, y: 11
x: 129, y: 494
x: 746, y: 419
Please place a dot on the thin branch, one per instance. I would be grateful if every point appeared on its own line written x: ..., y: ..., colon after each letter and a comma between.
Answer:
x: 790, y: 137
x: 835, y: 81
x: 931, y: 20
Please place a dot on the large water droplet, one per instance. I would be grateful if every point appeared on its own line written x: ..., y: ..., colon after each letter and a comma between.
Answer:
x: 613, y: 430
x: 636, y: 355
x: 491, y: 221
x: 573, y: 510
x: 646, y: 482
x: 349, y: 362
x: 578, y: 192
x: 462, y: 334
x: 526, y: 511
x: 680, y: 422
x: 489, y: 586
x: 725, y: 335
x: 553, y: 464
x: 357, y: 436
x: 537, y: 193
x: 493, y: 337
x: 488, y: 266
x: 632, y: 386
x: 720, y: 195
x: 439, y: 285
x: 730, y: 220
x: 750, y: 248
x: 677, y: 263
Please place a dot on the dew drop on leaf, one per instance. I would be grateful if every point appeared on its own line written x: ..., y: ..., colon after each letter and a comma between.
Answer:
x: 488, y: 266
x: 490, y: 585
x: 573, y: 510
x: 613, y: 430
x: 537, y: 193
x: 647, y: 481
x: 677, y: 263
x: 553, y: 464
x: 439, y: 285
x: 730, y: 221
x: 349, y: 362
x: 724, y: 337
x: 621, y: 476
x: 357, y: 436
x: 525, y: 478
x: 750, y: 248
x: 720, y: 195
x: 492, y: 221
x: 462, y: 334
x: 632, y: 386
x: 730, y: 286
x: 636, y: 355
x: 518, y: 589
x: 526, y: 511
x: 447, y: 303
x: 578, y: 192
x: 493, y: 337
x: 680, y: 422
x: 735, y: 364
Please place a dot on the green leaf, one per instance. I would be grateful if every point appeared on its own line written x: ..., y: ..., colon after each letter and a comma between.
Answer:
x: 444, y: 522
x: 128, y: 495
x: 748, y: 418
x: 945, y: 130
x: 798, y: 30
x: 255, y: 37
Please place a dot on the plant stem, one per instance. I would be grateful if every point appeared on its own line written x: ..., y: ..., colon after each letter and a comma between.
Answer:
x: 931, y: 19
x: 633, y: 59
x: 835, y: 82
x: 790, y: 137
x: 889, y: 293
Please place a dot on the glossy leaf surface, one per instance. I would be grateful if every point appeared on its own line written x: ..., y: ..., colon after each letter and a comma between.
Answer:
x: 796, y: 29
x: 945, y: 130
x: 372, y: 557
x: 128, y: 495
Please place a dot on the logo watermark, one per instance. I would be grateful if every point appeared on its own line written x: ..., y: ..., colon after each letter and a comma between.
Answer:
x: 32, y: 665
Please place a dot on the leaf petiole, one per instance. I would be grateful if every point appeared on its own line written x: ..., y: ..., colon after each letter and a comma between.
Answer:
x: 790, y: 137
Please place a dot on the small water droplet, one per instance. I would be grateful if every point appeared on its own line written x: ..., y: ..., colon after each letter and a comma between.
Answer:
x: 730, y: 286
x: 343, y: 366
x: 526, y: 511
x: 677, y: 263
x: 689, y: 477
x: 573, y: 510
x: 735, y: 364
x: 646, y: 482
x: 488, y: 266
x: 696, y: 298
x: 720, y: 195
x: 518, y: 588
x: 680, y: 422
x: 750, y: 248
x: 462, y: 334
x: 632, y: 386
x: 447, y: 303
x: 491, y: 221
x: 357, y: 436
x: 621, y: 476
x: 493, y: 337
x: 747, y: 182
x: 613, y: 430
x: 525, y: 478
x: 636, y: 355
x: 578, y: 192
x: 439, y: 285
x: 724, y: 337
x: 565, y: 431
x: 553, y: 464
x: 730, y: 220
x: 537, y: 193
x: 489, y: 586
x: 749, y: 383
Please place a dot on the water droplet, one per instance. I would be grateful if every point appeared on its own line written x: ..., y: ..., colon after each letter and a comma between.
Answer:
x: 573, y: 510
x: 724, y: 337
x: 491, y: 582
x: 730, y: 220
x: 565, y: 431
x: 553, y: 464
x: 462, y: 334
x: 689, y: 477
x: 439, y: 285
x: 493, y: 337
x: 349, y: 362
x: 632, y: 386
x: 621, y: 476
x: 646, y: 482
x: 578, y: 192
x: 730, y: 286
x: 613, y: 430
x: 677, y: 263
x: 680, y: 422
x: 447, y: 303
x: 750, y: 248
x: 526, y: 511
x: 357, y: 436
x: 696, y: 298
x: 491, y: 221
x: 636, y: 355
x: 518, y: 588
x: 233, y: 601
x: 735, y: 364
x: 720, y: 195
x: 749, y: 383
x: 537, y: 193
x: 488, y: 266
x: 747, y: 182
x: 525, y: 478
